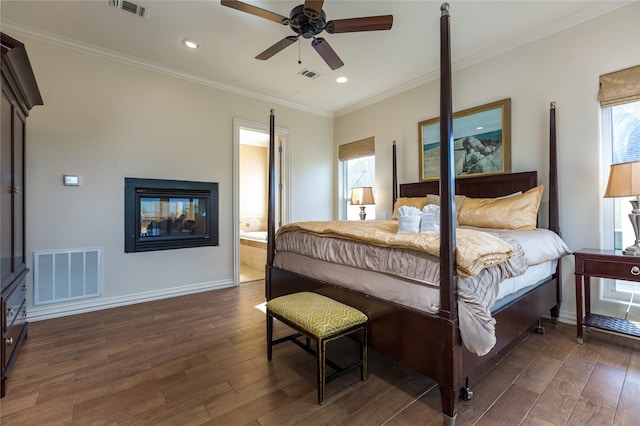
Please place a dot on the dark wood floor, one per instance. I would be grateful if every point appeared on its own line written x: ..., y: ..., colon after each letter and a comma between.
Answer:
x: 201, y: 359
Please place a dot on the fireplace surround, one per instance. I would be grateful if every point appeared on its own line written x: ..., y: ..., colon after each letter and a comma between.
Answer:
x: 169, y: 214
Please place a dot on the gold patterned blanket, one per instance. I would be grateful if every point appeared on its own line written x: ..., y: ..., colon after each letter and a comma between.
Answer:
x: 476, y: 250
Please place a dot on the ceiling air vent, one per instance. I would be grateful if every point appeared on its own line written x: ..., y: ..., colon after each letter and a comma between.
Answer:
x: 309, y: 74
x: 130, y: 7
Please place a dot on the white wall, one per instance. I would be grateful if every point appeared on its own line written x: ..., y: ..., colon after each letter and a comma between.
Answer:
x: 105, y: 120
x: 564, y: 68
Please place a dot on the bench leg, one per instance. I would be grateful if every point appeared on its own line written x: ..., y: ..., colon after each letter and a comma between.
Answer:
x: 269, y: 335
x: 363, y: 355
x: 320, y: 353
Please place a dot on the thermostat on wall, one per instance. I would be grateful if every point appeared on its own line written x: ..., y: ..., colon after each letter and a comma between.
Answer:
x: 70, y: 180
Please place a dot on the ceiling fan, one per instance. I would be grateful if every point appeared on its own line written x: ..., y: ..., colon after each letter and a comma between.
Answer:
x: 308, y: 20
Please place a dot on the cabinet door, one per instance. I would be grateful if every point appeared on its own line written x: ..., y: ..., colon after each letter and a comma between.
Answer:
x: 18, y: 191
x: 6, y: 196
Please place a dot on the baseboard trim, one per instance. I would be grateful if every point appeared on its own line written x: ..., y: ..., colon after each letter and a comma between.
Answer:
x: 49, y: 311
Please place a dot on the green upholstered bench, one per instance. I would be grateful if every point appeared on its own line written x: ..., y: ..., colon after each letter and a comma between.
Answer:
x: 323, y: 319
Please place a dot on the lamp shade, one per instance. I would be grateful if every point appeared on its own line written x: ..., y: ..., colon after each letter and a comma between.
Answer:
x: 624, y: 180
x: 361, y: 196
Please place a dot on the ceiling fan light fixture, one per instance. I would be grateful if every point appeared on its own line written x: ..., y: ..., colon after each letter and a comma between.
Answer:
x: 191, y: 43
x: 308, y: 20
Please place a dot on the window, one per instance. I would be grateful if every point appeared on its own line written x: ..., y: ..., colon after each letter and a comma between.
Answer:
x: 358, y: 170
x: 621, y: 140
x: 625, y: 147
x: 357, y: 173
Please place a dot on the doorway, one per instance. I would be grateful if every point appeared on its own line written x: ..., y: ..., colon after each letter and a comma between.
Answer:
x: 251, y: 143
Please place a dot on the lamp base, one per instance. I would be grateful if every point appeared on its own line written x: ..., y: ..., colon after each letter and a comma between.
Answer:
x: 633, y: 250
x: 634, y: 216
x: 363, y: 214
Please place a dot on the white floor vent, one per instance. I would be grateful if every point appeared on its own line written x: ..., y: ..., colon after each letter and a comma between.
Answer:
x: 65, y: 275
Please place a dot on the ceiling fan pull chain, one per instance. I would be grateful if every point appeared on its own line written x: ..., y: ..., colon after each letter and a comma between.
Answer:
x: 299, y: 59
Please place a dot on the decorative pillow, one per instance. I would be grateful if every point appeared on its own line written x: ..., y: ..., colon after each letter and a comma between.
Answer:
x: 430, y: 219
x: 417, y: 202
x: 517, y: 212
x: 408, y: 224
x: 435, y: 199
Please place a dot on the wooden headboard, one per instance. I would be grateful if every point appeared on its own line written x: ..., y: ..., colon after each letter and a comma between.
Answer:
x: 488, y: 186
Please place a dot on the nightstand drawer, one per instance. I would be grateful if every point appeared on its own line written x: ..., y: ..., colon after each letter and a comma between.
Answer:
x: 629, y: 271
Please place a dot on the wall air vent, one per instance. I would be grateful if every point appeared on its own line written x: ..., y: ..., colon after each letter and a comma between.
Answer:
x: 63, y: 275
x: 130, y: 7
x: 309, y: 74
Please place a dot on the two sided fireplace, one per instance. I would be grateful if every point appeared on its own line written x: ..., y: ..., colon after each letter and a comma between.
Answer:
x: 169, y: 214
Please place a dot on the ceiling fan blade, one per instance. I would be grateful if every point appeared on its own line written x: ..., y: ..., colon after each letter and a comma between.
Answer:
x: 327, y: 53
x: 313, y: 8
x: 262, y: 13
x: 369, y: 23
x: 287, y: 41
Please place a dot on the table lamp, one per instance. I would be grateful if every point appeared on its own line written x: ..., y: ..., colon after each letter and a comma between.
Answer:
x: 362, y: 196
x: 624, y: 181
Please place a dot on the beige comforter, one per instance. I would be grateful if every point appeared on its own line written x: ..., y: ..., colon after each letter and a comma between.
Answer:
x: 476, y: 250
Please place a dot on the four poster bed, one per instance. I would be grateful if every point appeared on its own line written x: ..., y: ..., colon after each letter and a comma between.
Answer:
x: 431, y: 318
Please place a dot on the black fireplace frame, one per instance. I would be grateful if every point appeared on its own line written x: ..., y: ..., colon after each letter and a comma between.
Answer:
x: 136, y: 188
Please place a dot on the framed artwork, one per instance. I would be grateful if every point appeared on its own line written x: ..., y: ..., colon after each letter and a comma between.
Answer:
x: 481, y: 138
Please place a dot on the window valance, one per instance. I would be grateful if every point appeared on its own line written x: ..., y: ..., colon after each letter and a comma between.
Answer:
x: 620, y: 87
x: 362, y: 148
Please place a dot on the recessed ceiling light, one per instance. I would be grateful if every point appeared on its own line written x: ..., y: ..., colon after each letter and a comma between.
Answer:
x: 191, y: 43
x: 342, y: 79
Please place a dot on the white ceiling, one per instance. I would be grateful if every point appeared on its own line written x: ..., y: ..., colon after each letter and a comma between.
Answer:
x: 377, y: 63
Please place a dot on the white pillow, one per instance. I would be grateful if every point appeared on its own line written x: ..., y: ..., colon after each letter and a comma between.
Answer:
x: 408, y: 224
x: 430, y: 219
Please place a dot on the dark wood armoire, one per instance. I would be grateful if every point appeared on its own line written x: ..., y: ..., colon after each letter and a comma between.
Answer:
x: 19, y: 94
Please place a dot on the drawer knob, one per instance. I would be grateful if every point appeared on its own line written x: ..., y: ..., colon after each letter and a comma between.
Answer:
x: 9, y: 341
x: 635, y: 270
x: 11, y: 311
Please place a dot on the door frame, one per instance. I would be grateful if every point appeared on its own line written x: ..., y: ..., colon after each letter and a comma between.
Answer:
x: 283, y: 139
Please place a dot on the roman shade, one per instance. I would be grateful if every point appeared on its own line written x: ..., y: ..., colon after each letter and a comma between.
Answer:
x: 362, y: 148
x: 620, y: 87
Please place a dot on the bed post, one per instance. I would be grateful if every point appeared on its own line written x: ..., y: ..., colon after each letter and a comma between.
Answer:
x: 554, y: 224
x: 271, y: 221
x: 447, y: 177
x: 449, y: 377
x: 554, y: 201
x: 395, y: 176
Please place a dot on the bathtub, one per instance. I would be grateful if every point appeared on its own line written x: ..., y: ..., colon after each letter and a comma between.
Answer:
x: 253, y: 248
x: 254, y: 236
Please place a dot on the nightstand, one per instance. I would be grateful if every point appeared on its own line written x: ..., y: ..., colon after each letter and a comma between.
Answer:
x: 602, y: 264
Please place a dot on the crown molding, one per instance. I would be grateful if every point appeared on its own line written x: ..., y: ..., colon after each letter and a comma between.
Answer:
x: 150, y: 66
x: 593, y: 12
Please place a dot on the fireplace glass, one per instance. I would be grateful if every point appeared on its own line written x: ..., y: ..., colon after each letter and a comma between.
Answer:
x: 168, y: 214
